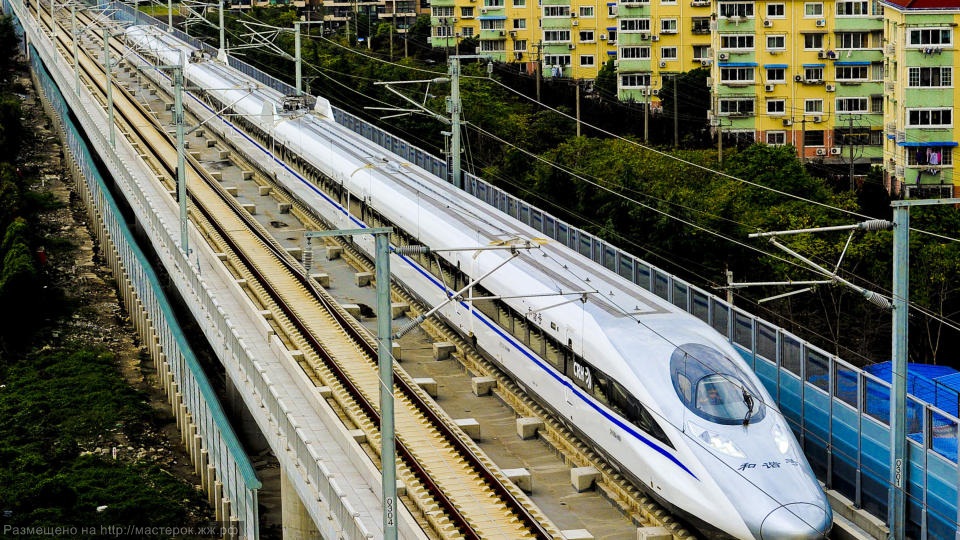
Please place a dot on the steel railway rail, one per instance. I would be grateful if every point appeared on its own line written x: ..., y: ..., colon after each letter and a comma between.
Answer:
x: 437, y: 458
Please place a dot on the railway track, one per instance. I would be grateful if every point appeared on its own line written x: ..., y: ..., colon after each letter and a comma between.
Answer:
x: 448, y: 482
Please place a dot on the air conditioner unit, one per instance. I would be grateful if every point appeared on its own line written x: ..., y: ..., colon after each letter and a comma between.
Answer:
x: 891, y: 48
x: 645, y: 37
x: 835, y: 151
x: 571, y: 46
x: 655, y: 92
x: 513, y: 33
x: 767, y: 23
x: 705, y: 63
x: 768, y: 87
x: 575, y: 23
x: 518, y: 55
x: 821, y: 54
x: 573, y: 15
x: 603, y: 37
x: 821, y: 151
x: 643, y: 91
x: 891, y: 87
x: 831, y: 55
x: 830, y: 87
x: 654, y: 38
x: 503, y: 34
x: 817, y: 119
x: 483, y: 10
x: 798, y: 78
x: 821, y: 22
x: 787, y: 122
x: 723, y: 56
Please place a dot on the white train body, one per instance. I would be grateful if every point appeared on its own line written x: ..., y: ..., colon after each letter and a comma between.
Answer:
x: 731, y: 473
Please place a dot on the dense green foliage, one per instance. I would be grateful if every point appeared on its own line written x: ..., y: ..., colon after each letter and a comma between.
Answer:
x: 54, y: 404
x: 680, y: 215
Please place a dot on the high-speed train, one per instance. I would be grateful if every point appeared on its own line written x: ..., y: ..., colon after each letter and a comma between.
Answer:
x: 658, y: 392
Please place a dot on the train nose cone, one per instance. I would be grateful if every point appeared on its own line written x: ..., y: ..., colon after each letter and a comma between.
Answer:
x: 796, y: 521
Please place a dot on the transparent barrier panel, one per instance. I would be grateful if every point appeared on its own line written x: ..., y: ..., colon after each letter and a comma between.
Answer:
x: 817, y: 369
x: 845, y: 384
x: 790, y: 349
x: 767, y: 341
x: 721, y: 321
x: 743, y: 329
x: 701, y: 306
x: 680, y: 294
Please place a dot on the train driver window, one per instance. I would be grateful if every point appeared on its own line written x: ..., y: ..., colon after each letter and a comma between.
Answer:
x: 713, y: 387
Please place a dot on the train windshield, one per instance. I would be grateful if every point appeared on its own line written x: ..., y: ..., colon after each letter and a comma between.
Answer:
x: 713, y: 387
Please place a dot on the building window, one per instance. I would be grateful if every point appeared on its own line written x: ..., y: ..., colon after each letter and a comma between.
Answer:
x: 520, y: 45
x: 441, y: 11
x: 812, y: 106
x: 876, y: 104
x: 635, y: 80
x: 668, y: 2
x: 587, y: 60
x: 736, y: 41
x: 700, y: 25
x: 493, y: 45
x: 497, y: 24
x: 519, y: 24
x: 556, y: 11
x: 736, y: 9
x: 634, y: 25
x: 876, y: 70
x: 813, y: 74
x: 612, y: 11
x: 853, y: 40
x: 929, y: 117
x: 852, y: 8
x: 466, y: 12
x: 776, y: 75
x: 813, y: 9
x: 556, y: 59
x: 736, y: 107
x: 813, y: 41
x: 493, y: 3
x: 813, y: 137
x: 611, y: 36
x: 930, y: 36
x: 586, y: 11
x: 668, y: 53
x: 587, y: 35
x: 736, y: 74
x: 776, y: 107
x: 851, y: 73
x: 635, y: 53
x: 930, y: 77
x: 852, y: 105
x: 556, y: 36
x: 442, y: 31
x: 668, y: 26
x: 776, y: 138
x: 701, y: 52
x: 776, y: 42
x: 467, y: 31
x: 519, y: 3
x: 922, y: 156
x: 776, y: 11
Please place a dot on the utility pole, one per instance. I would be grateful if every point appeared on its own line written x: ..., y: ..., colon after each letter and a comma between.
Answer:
x: 539, y: 47
x: 646, y: 112
x: 388, y: 452
x: 108, y: 69
x: 577, y: 93
x: 676, y: 125
x: 899, y: 470
x: 297, y: 57
x: 719, y: 140
x: 169, y: 15
x: 803, y: 139
x: 850, y: 144
x: 76, y: 37
x: 453, y: 107
x: 181, y: 172
x: 222, y: 53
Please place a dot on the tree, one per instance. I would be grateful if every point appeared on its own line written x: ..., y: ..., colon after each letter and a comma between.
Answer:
x: 9, y: 46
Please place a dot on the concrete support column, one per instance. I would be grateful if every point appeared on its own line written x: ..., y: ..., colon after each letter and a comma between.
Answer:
x: 297, y: 523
